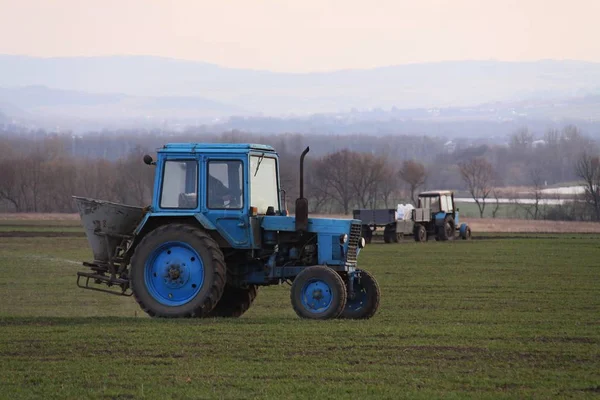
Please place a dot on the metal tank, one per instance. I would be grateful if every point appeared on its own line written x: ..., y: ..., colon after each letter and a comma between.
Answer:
x: 106, y: 224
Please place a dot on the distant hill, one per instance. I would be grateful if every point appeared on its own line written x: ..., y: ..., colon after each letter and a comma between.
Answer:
x: 449, y: 98
x: 443, y: 84
x: 40, y: 104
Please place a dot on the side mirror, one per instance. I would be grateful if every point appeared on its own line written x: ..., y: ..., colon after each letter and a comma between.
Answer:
x: 148, y: 160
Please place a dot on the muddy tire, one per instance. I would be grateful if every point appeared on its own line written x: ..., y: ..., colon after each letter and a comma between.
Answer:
x: 234, y: 302
x: 177, y: 271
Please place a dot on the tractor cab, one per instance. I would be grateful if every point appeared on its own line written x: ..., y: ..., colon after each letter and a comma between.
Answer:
x: 224, y: 186
x: 437, y: 201
x: 216, y: 230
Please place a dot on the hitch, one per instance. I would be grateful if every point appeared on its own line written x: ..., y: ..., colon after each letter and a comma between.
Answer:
x: 99, y: 277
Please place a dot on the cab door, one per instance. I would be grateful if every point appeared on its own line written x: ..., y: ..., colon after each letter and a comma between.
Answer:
x: 226, y: 197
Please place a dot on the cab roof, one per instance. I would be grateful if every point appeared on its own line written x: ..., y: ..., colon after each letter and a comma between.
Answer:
x: 215, y: 148
x: 435, y: 193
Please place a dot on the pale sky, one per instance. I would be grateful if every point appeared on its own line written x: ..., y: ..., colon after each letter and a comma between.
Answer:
x: 305, y: 35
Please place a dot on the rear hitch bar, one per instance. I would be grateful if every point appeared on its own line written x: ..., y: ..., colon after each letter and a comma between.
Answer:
x: 103, y: 279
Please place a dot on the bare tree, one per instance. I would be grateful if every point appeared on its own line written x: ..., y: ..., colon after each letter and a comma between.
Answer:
x: 537, y: 181
x: 521, y: 140
x: 135, y: 180
x: 588, y: 169
x: 368, y: 174
x: 414, y: 174
x: 388, y: 185
x: 478, y: 175
x: 9, y: 189
x: 334, y: 176
x: 496, y: 204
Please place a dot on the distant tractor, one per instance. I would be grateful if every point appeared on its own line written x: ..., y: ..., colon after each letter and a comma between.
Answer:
x: 435, y: 216
x: 217, y: 230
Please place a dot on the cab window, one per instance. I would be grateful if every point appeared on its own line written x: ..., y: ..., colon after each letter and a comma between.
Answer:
x: 447, y: 203
x: 179, y: 184
x: 225, y: 184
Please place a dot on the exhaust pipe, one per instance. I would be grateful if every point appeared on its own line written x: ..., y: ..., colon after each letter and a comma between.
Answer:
x: 302, y: 202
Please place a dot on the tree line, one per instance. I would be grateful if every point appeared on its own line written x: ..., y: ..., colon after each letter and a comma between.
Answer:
x: 40, y: 172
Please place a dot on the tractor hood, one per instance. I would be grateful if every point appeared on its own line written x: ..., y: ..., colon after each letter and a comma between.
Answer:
x: 329, y: 232
x: 315, y: 225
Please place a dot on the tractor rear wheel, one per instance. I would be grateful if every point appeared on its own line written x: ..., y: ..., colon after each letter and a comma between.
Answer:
x: 420, y: 233
x: 177, y: 270
x: 235, y: 301
x: 366, y: 298
x: 446, y: 232
x: 318, y: 292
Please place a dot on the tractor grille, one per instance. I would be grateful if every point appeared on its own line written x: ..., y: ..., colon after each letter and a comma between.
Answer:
x: 355, y: 232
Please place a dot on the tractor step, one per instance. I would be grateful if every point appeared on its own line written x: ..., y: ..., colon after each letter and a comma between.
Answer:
x: 101, y: 279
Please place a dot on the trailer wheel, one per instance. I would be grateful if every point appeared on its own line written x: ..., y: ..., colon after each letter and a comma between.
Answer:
x: 235, y: 301
x: 420, y: 233
x: 366, y: 298
x: 177, y: 270
x: 387, y: 237
x: 318, y: 292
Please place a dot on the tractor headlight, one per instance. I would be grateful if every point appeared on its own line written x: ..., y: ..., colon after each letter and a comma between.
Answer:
x: 361, y: 243
x: 343, y: 238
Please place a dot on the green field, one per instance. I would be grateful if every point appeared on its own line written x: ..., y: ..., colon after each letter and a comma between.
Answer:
x: 488, y: 318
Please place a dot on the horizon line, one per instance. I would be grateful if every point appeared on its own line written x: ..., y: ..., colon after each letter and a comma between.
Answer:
x: 349, y: 69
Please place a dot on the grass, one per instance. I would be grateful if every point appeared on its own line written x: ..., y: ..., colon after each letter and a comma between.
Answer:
x: 493, y: 318
x: 470, y: 210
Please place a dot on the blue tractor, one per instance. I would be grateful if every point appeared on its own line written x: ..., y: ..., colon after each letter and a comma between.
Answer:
x: 437, y: 215
x: 217, y: 230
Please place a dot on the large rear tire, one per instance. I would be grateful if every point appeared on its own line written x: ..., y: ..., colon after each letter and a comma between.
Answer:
x: 235, y: 301
x: 318, y: 293
x: 177, y: 271
x: 446, y: 232
x: 366, y: 299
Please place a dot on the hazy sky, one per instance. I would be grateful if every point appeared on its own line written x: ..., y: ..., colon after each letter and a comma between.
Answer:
x: 305, y: 35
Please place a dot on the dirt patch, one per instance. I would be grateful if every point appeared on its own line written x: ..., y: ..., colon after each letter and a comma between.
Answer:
x: 29, y: 234
x: 528, y: 226
x: 583, y: 340
x: 39, y: 217
x: 447, y: 348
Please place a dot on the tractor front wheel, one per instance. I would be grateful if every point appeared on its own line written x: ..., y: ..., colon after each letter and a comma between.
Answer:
x: 177, y: 270
x: 235, y: 301
x: 465, y: 233
x: 318, y: 293
x: 365, y: 302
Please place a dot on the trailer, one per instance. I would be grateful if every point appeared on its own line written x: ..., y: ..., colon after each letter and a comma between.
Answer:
x: 435, y: 216
x: 394, y: 228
